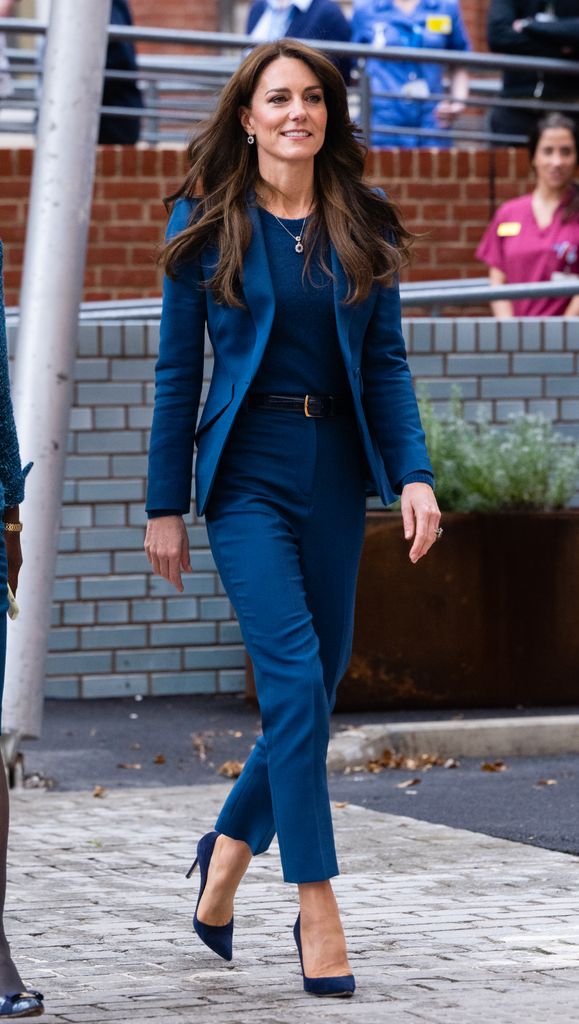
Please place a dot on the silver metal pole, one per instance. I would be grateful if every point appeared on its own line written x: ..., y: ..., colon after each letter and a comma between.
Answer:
x: 54, y: 262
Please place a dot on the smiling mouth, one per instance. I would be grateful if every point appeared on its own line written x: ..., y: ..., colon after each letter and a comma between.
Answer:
x: 297, y: 135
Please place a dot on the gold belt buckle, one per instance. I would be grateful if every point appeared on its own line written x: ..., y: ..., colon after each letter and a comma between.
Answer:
x: 307, y: 407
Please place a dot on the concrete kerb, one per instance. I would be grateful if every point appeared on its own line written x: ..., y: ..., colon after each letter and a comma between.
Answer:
x: 487, y: 737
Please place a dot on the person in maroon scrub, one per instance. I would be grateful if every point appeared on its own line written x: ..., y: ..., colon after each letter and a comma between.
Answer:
x: 536, y: 237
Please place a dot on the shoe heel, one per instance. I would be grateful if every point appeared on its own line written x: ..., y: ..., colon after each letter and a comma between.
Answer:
x: 192, y: 868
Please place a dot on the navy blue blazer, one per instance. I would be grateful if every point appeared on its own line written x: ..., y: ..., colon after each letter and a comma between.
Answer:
x: 372, y: 345
x: 322, y: 20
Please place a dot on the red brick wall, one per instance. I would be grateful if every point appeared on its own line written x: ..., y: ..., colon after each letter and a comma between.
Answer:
x: 195, y: 15
x: 475, y: 18
x: 449, y: 197
x: 445, y: 195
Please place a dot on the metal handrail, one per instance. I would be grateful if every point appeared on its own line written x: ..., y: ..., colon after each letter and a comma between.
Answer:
x: 469, y: 296
x: 234, y: 41
x: 186, y: 37
x: 465, y: 292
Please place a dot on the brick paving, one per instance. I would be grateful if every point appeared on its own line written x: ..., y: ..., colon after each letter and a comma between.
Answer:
x: 443, y: 925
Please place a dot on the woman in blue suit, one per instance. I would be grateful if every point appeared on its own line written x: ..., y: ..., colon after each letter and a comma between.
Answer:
x: 15, y: 1001
x: 277, y: 245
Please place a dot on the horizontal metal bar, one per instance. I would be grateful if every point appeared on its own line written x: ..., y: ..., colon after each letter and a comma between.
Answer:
x: 469, y: 296
x: 182, y: 37
x: 449, y: 133
x: 468, y: 291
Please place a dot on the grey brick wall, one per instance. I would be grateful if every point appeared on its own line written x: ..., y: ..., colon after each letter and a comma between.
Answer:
x: 118, y: 630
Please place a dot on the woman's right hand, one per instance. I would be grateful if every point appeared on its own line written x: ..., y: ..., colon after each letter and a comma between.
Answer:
x: 167, y: 548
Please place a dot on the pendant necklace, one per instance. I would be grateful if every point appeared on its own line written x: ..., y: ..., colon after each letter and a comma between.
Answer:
x: 299, y: 247
x: 297, y: 238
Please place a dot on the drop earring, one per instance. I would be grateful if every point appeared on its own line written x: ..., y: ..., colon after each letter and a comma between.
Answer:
x: 250, y: 140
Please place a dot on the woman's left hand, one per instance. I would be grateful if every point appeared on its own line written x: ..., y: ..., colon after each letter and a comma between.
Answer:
x: 421, y: 517
x: 14, y: 558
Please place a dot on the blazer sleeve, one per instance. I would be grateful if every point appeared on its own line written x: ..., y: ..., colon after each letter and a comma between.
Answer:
x: 12, y: 475
x: 501, y: 35
x: 389, y: 400
x: 178, y: 380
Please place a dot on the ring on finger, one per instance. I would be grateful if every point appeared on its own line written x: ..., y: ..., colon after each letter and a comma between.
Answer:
x: 438, y: 532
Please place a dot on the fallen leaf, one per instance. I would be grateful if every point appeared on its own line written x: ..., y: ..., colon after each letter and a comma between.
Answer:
x: 389, y: 759
x: 546, y: 782
x: 200, y: 745
x: 132, y: 767
x: 99, y: 791
x: 160, y: 759
x: 341, y: 803
x: 493, y: 766
x: 231, y: 769
x: 451, y: 763
x: 409, y: 782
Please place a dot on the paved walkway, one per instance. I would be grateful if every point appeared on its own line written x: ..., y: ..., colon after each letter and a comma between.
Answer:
x: 443, y: 925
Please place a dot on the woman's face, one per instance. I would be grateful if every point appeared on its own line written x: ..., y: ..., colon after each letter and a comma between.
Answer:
x: 288, y: 113
x: 555, y: 159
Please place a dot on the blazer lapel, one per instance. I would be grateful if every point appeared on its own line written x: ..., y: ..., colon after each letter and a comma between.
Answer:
x: 257, y: 286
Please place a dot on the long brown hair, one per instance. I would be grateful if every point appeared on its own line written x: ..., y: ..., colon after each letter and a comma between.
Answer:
x: 363, y: 225
x: 556, y: 120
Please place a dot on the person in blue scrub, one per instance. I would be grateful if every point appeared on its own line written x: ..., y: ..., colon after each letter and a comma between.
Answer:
x: 285, y: 255
x: 301, y: 19
x: 422, y: 24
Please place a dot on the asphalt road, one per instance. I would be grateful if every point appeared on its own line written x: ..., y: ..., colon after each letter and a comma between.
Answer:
x: 185, y: 740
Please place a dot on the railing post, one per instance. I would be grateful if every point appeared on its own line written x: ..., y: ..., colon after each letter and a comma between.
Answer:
x: 51, y: 292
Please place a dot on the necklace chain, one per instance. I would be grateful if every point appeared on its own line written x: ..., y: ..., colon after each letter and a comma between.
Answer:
x: 297, y: 238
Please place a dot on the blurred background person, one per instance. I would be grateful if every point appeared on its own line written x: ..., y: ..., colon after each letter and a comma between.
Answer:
x: 425, y: 24
x: 301, y: 19
x: 535, y: 28
x: 536, y: 237
x: 121, y: 92
x: 15, y: 1000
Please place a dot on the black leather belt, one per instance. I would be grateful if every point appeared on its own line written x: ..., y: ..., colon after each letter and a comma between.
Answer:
x: 314, y: 406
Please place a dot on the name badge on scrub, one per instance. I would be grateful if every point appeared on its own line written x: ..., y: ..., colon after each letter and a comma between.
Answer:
x: 509, y: 229
x: 439, y: 23
x: 415, y: 89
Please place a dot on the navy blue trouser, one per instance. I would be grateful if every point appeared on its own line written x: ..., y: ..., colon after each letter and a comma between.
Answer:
x: 286, y: 524
x: 3, y: 611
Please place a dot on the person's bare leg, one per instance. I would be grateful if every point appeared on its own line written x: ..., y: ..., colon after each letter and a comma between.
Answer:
x: 229, y: 862
x: 10, y: 980
x: 323, y: 942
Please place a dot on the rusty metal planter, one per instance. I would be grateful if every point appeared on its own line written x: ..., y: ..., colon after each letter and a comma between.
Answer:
x: 489, y: 618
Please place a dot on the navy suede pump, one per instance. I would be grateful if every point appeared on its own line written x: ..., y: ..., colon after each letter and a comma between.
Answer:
x: 219, y: 938
x: 343, y: 985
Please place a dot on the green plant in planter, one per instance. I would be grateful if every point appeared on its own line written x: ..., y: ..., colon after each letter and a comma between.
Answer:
x: 524, y: 466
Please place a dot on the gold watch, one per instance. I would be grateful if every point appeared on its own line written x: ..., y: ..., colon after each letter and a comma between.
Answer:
x: 13, y: 527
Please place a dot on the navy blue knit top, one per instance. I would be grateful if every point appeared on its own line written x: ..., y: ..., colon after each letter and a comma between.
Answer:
x: 303, y: 354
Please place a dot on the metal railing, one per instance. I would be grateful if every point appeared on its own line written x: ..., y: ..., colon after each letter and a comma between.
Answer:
x: 432, y: 295
x: 181, y: 90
